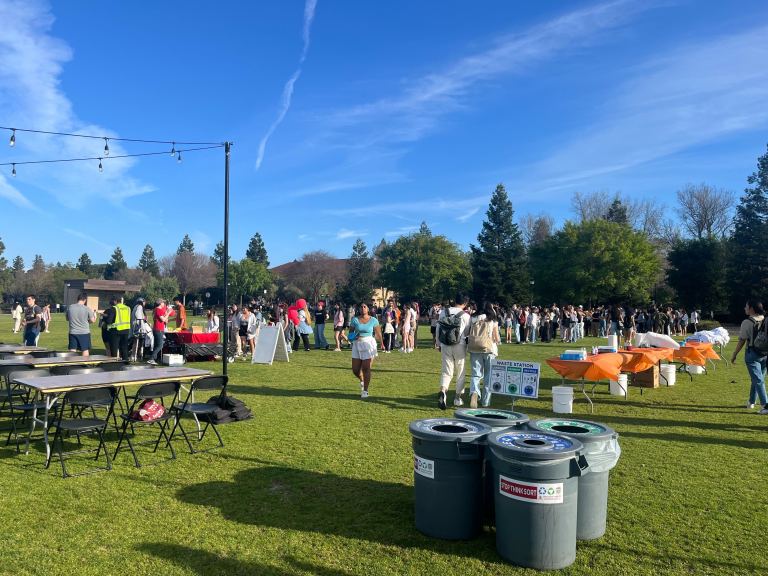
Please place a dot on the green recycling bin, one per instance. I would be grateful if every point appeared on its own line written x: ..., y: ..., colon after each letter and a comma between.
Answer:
x: 602, y: 451
x: 448, y: 476
x: 536, y: 490
x: 498, y: 420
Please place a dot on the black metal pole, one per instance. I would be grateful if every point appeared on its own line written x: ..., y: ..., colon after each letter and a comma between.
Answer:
x: 225, y: 355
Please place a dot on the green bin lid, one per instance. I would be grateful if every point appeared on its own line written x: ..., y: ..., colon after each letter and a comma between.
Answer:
x: 493, y: 418
x: 533, y: 445
x: 583, y: 430
x: 448, y: 430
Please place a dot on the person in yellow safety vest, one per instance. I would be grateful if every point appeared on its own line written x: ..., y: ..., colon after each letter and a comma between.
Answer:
x: 118, y: 320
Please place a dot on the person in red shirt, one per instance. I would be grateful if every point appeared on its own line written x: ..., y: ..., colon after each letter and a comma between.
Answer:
x: 161, y: 315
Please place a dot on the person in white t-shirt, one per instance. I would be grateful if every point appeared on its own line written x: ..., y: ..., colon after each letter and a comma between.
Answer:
x: 480, y: 362
x: 454, y: 353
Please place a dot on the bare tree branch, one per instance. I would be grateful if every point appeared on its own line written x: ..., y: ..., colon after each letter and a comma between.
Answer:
x: 706, y: 211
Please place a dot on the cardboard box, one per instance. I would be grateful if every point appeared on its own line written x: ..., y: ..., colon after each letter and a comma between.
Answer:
x: 197, y: 329
x: 647, y: 379
x: 173, y: 359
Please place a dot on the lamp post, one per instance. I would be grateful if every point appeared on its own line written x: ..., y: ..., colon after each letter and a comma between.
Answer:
x: 225, y: 355
x: 532, y: 283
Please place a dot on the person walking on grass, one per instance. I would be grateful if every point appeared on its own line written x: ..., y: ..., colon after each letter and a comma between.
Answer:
x: 33, y: 314
x: 80, y: 318
x: 338, y: 326
x: 483, y: 347
x: 364, y: 332
x: 17, y: 314
x: 452, y: 332
x: 755, y: 359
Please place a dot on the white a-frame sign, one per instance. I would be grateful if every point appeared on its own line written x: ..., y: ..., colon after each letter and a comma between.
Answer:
x: 270, y: 346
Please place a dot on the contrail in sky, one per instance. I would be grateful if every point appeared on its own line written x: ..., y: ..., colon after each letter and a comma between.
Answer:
x: 285, y: 101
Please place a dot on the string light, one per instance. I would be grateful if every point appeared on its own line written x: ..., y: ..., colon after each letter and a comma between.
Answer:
x: 12, y: 141
x: 114, y: 139
x: 13, y: 172
x: 173, y: 149
x: 101, y: 168
x: 178, y: 158
x: 106, y: 146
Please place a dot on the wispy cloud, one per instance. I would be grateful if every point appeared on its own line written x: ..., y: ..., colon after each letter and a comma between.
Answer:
x: 345, y: 233
x: 400, y: 231
x: 467, y: 215
x: 285, y: 100
x: 87, y: 238
x: 415, y: 112
x: 31, y: 63
x: 11, y: 193
x: 695, y: 94
x: 425, y: 206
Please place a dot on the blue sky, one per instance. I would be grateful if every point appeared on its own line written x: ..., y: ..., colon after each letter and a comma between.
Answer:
x: 364, y: 118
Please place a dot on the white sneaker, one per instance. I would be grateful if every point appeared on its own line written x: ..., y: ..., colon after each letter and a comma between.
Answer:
x: 152, y: 362
x: 458, y: 401
x: 364, y: 394
x: 750, y: 406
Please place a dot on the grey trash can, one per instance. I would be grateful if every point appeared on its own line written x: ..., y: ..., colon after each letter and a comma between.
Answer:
x: 447, y: 476
x: 536, y: 485
x: 498, y: 420
x: 602, y: 451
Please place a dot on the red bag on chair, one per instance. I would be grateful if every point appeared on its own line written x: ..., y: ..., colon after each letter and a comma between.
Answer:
x: 148, y: 410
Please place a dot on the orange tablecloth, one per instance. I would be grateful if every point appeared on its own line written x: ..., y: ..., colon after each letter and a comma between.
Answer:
x: 641, y: 359
x: 706, y: 349
x: 597, y: 367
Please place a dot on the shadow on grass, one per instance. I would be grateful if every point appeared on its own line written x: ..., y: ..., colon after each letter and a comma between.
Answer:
x: 204, y: 562
x: 404, y: 403
x: 305, y: 500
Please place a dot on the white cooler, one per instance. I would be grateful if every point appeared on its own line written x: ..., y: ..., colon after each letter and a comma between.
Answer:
x: 173, y: 359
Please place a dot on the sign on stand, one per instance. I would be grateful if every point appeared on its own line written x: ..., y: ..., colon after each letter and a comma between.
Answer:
x: 514, y: 378
x: 270, y: 345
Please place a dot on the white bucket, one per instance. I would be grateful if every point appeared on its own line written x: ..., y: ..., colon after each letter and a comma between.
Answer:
x: 691, y: 369
x: 669, y: 374
x: 619, y: 387
x: 562, y: 399
x: 613, y: 341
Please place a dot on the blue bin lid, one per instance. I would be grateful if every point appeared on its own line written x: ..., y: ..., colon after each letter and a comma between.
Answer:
x: 493, y: 418
x: 583, y: 430
x: 448, y: 430
x: 533, y: 445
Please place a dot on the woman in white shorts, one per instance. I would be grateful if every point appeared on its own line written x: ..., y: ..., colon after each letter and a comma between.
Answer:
x: 364, y: 326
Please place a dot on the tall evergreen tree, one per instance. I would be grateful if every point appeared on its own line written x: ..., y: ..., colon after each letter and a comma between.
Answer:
x: 186, y: 245
x: 617, y: 212
x: 748, y: 258
x: 84, y: 263
x: 18, y: 264
x: 218, y: 256
x: 148, y: 262
x: 115, y: 265
x: 499, y: 264
x: 256, y: 250
x: 3, y: 261
x: 360, y: 275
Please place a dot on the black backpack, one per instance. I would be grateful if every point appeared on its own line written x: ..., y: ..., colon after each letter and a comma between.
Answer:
x: 760, y: 337
x: 450, y: 329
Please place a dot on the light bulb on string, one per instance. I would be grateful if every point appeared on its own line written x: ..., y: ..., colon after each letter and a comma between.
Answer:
x: 178, y: 158
x: 13, y: 171
x: 101, y: 168
x: 173, y: 149
x: 12, y: 141
x: 106, y: 146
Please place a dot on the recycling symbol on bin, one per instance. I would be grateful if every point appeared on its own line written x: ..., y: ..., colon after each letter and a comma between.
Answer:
x: 528, y: 390
x: 543, y: 491
x: 512, y: 388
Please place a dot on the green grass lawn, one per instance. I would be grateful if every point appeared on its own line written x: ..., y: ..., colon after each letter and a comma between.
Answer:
x: 320, y: 482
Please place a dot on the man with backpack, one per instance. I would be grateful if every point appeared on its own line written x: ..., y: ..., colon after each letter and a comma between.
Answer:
x: 754, y: 334
x: 452, y: 332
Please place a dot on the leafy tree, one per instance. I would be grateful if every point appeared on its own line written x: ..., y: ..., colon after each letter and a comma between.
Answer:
x: 499, y: 265
x: 186, y: 245
x: 3, y: 260
x: 424, y: 267
x: 218, y: 256
x: 595, y: 261
x: 536, y: 229
x: 116, y: 264
x: 246, y: 278
x: 6, y: 275
x: 84, y: 263
x: 748, y: 258
x: 18, y: 264
x: 696, y: 273
x: 148, y: 262
x: 164, y: 287
x: 358, y: 286
x: 256, y: 250
x: 617, y: 212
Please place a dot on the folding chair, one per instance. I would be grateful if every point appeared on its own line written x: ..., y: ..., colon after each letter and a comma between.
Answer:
x: 157, y: 390
x: 19, y: 405
x: 67, y: 354
x: 201, y: 410
x: 18, y: 391
x: 137, y: 367
x: 112, y: 366
x: 103, y: 396
x: 78, y: 407
x: 44, y: 354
